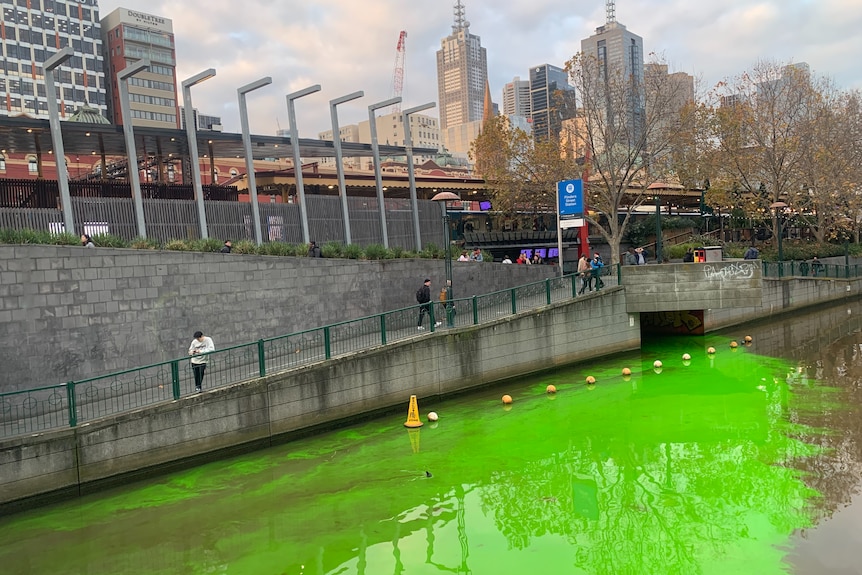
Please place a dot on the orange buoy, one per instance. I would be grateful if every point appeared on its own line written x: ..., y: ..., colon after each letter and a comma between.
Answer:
x: 551, y: 389
x: 626, y: 371
x: 591, y: 380
x: 507, y: 399
x: 748, y: 339
x: 733, y: 345
x: 413, y: 414
x: 710, y: 350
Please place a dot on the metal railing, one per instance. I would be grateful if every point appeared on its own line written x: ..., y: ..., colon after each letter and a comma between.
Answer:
x: 788, y: 269
x: 69, y: 404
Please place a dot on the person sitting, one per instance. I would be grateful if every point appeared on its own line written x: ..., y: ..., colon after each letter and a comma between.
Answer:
x: 227, y: 247
x: 464, y: 257
x: 477, y: 255
x: 689, y: 256
x: 314, y: 250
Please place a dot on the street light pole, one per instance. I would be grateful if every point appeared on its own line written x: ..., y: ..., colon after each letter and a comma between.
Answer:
x: 448, y: 306
x: 339, y: 166
x: 408, y: 145
x: 779, y: 206
x: 297, y: 160
x: 57, y: 135
x: 375, y: 150
x: 249, y: 158
x: 128, y: 131
x: 191, y: 135
x: 658, y: 229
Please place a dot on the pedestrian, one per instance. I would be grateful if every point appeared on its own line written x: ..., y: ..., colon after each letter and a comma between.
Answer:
x: 86, y: 241
x: 447, y: 305
x: 200, y: 346
x: 631, y: 258
x: 640, y: 255
x: 423, y: 296
x: 597, y: 264
x: 464, y: 257
x: 227, y: 247
x: 584, y: 273
x: 816, y: 266
x: 506, y: 260
x: 520, y: 260
x: 477, y: 255
x: 689, y: 256
x: 314, y: 250
x: 537, y: 259
x: 751, y: 253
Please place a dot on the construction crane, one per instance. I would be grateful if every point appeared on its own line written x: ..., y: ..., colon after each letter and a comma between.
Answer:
x: 398, y: 74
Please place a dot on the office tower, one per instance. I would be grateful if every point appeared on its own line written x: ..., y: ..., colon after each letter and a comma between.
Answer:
x: 516, y: 98
x: 32, y: 32
x: 619, y: 57
x: 203, y: 122
x: 552, y: 100
x: 130, y: 36
x: 679, y: 86
x: 462, y: 71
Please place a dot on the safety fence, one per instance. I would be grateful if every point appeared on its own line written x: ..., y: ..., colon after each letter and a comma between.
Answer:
x: 69, y: 404
x: 807, y: 268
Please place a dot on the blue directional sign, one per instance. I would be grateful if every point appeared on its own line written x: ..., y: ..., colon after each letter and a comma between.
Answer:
x: 570, y: 195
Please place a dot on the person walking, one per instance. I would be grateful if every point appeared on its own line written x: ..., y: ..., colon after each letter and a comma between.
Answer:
x: 640, y: 256
x: 585, y: 274
x: 227, y: 247
x: 314, y: 250
x: 597, y: 264
x: 447, y: 306
x: 423, y: 296
x: 200, y: 346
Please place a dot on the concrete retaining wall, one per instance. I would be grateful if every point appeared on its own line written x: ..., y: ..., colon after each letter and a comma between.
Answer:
x: 259, y: 412
x: 69, y: 313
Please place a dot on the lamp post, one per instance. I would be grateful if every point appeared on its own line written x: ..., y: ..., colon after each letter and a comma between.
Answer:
x: 339, y: 167
x: 129, y: 133
x: 779, y: 206
x: 57, y: 135
x: 297, y: 160
x: 191, y: 134
x: 449, y: 306
x: 249, y: 159
x: 408, y: 145
x: 375, y: 150
x: 657, y: 229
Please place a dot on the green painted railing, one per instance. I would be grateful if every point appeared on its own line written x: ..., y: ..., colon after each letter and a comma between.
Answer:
x: 788, y: 269
x: 77, y: 402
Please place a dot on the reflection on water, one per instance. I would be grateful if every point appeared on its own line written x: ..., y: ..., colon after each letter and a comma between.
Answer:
x: 742, y: 462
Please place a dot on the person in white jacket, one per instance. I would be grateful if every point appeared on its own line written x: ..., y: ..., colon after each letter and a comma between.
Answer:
x: 200, y: 346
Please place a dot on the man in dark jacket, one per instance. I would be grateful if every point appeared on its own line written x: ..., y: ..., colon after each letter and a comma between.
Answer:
x: 423, y: 296
x: 313, y: 250
x: 227, y: 247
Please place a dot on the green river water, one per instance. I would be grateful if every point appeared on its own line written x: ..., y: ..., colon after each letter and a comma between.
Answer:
x: 745, y: 461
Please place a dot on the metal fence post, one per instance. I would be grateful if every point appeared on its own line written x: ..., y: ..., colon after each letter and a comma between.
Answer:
x: 175, y: 378
x: 261, y: 358
x: 73, y: 408
x: 548, y: 289
x: 383, y: 328
x: 475, y: 311
x: 514, y: 301
x: 431, y: 316
x: 619, y: 274
x: 574, y: 285
x: 327, y: 343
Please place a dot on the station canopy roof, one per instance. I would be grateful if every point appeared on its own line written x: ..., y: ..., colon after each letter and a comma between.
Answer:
x: 23, y: 135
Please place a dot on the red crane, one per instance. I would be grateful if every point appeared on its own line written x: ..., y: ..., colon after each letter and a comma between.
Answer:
x: 398, y: 74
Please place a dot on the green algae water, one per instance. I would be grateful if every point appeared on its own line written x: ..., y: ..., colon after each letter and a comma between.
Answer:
x: 739, y: 462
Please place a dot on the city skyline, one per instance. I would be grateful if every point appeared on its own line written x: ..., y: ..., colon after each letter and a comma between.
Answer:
x: 347, y: 46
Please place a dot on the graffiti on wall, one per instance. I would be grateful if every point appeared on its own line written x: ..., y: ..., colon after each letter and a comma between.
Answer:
x: 735, y: 271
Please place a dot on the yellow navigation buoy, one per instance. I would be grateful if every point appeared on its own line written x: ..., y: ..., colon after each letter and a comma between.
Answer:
x: 413, y: 414
x: 507, y: 399
x: 626, y: 371
x: 733, y: 345
x: 551, y: 389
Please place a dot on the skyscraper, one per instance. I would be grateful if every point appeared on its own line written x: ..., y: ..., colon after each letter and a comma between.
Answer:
x: 552, y: 100
x: 619, y: 56
x: 516, y: 98
x: 35, y: 30
x: 130, y: 36
x: 462, y: 71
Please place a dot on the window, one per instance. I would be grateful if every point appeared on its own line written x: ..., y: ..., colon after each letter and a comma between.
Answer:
x: 2, y: 163
x: 32, y: 165
x: 234, y: 172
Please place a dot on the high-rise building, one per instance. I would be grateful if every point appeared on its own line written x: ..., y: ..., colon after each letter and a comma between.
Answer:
x: 33, y: 31
x: 130, y: 36
x: 680, y: 86
x: 552, y: 100
x: 619, y: 55
x: 203, y: 122
x: 516, y: 98
x: 462, y: 71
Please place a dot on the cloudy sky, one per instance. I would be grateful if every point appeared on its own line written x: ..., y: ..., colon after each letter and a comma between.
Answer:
x: 349, y: 45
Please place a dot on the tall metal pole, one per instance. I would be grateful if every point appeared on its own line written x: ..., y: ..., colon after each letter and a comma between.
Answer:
x: 658, y: 237
x: 408, y: 145
x: 191, y: 134
x: 375, y: 150
x: 339, y: 167
x: 448, y: 307
x: 297, y: 160
x: 249, y: 158
x: 57, y: 135
x: 129, y: 132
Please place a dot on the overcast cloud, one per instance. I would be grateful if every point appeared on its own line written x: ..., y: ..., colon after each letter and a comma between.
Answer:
x: 349, y: 45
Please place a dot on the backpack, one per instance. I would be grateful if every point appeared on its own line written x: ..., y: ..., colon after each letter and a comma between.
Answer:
x: 420, y: 295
